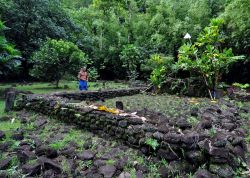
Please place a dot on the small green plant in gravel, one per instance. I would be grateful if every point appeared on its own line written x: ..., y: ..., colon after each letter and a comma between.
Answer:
x: 13, y: 171
x: 58, y: 145
x: 132, y: 173
x: 193, y: 120
x: 71, y: 136
x: 152, y: 143
x: 153, y: 168
x: 9, y: 125
x: 65, y: 167
x: 110, y: 162
x: 212, y: 131
x: 85, y: 164
x: 241, y: 170
x: 164, y: 162
x: 30, y: 126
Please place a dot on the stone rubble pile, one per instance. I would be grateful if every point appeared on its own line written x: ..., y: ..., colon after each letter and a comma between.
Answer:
x: 215, y: 144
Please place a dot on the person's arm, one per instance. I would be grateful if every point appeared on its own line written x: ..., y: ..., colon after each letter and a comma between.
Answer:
x: 87, y: 76
x: 79, y: 75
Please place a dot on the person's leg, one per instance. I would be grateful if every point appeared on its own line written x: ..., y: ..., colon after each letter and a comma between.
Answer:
x: 80, y: 85
x: 85, y: 87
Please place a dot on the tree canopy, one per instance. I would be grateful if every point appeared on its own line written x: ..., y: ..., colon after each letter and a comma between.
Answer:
x: 120, y: 36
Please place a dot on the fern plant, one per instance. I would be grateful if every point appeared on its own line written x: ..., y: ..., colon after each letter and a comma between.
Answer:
x: 152, y: 143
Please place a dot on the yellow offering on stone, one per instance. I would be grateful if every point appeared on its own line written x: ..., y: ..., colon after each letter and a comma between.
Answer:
x: 110, y: 110
x: 213, y: 101
x: 194, y: 101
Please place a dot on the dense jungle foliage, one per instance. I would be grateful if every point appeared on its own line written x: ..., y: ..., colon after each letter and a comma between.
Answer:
x: 114, y: 36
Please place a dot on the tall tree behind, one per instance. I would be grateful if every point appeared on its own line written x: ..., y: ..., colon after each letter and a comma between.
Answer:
x: 32, y: 21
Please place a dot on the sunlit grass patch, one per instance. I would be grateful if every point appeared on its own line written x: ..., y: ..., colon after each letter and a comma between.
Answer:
x: 73, y: 135
x: 46, y: 87
x: 8, y: 125
x: 2, y: 106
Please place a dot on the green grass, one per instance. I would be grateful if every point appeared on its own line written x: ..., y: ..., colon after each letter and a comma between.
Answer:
x: 71, y: 136
x: 45, y: 87
x: 2, y: 106
x: 7, y: 125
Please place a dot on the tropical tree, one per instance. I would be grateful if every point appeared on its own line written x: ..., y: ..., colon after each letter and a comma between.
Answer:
x: 207, y: 57
x: 8, y: 54
x: 32, y: 21
x: 131, y: 57
x: 57, y: 58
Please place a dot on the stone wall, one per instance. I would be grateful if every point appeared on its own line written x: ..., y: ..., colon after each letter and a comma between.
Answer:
x: 97, y: 95
x: 194, y: 87
x: 240, y: 96
x: 186, y: 149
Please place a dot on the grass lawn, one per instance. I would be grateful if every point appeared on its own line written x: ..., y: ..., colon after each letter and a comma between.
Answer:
x: 1, y: 107
x: 44, y: 87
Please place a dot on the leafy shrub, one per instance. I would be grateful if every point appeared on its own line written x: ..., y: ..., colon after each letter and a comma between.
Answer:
x: 57, y: 58
x: 8, y: 54
x: 161, y: 66
x: 207, y: 56
x: 242, y: 86
x: 93, y: 74
x: 131, y: 57
x: 152, y: 143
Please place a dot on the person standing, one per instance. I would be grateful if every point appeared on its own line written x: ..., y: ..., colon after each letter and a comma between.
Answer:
x: 83, y: 79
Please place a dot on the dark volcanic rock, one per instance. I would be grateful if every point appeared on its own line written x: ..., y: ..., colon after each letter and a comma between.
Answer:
x: 25, y: 155
x: 229, y: 126
x: 5, y: 163
x: 124, y: 175
x: 86, y: 155
x: 51, y: 153
x: 194, y: 112
x: 220, y: 143
x: 195, y: 157
x: 69, y: 152
x: 18, y: 135
x: 219, y: 152
x: 5, y: 118
x: 99, y: 162
x: 44, y: 150
x: 39, y: 123
x: 205, y: 124
x: 191, y: 138
x: 203, y: 173
x: 123, y: 124
x: 3, y: 174
x: 2, y: 135
x: 164, y: 172
x: 87, y: 145
x: 93, y: 175
x: 180, y: 166
x: 158, y: 135
x: 120, y: 164
x: 32, y: 169
x: 172, y: 138
x: 50, y: 174
x: 4, y: 146
x: 183, y: 124
x: 224, y: 171
x: 139, y: 174
x: 237, y: 141
x: 107, y: 171
x: 167, y: 154
x: 49, y: 164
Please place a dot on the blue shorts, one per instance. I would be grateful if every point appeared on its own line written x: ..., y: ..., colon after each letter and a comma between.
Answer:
x: 83, y: 85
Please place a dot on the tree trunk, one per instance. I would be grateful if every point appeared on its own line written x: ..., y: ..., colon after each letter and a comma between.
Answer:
x: 10, y: 101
